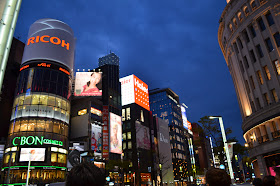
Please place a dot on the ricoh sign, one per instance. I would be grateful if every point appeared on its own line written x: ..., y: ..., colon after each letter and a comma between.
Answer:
x: 134, y: 90
x: 50, y: 39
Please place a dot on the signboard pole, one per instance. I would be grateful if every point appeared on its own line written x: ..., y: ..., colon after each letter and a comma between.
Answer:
x: 29, y: 162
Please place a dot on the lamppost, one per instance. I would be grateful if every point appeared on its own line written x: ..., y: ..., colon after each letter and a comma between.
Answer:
x: 225, y: 145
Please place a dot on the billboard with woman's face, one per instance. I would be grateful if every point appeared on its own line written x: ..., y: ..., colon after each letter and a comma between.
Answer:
x: 142, y: 136
x: 115, y: 134
x: 88, y: 84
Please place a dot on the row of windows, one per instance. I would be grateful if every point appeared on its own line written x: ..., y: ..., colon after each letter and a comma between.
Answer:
x: 129, y: 145
x: 245, y: 11
x: 267, y: 100
x: 178, y: 155
x: 38, y: 125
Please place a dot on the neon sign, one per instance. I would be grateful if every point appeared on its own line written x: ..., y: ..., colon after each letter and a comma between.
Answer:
x: 53, y: 40
x: 34, y: 140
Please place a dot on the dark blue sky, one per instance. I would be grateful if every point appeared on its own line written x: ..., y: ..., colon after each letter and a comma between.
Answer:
x: 166, y: 43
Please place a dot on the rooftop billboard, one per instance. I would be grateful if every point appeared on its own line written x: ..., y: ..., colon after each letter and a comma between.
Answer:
x: 134, y: 90
x: 88, y: 84
x: 52, y: 40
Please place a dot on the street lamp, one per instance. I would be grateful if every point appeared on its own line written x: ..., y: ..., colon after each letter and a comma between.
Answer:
x: 225, y: 145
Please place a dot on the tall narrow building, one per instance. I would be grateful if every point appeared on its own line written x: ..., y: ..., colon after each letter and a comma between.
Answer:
x: 165, y: 105
x: 249, y: 39
x: 39, y: 123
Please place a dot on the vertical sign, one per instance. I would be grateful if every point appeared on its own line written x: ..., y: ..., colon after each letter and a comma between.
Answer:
x: 105, y: 132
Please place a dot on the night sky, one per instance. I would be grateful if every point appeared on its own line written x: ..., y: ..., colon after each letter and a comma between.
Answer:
x: 166, y: 43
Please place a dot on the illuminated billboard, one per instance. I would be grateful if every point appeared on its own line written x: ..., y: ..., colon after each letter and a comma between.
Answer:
x: 142, y: 136
x: 115, y: 133
x: 88, y: 84
x: 187, y: 125
x: 134, y: 90
x: 96, y: 139
x: 52, y: 40
x: 32, y: 154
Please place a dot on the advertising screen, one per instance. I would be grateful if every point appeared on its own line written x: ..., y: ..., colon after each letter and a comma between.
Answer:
x: 142, y: 136
x: 34, y: 154
x: 88, y: 84
x: 184, y: 117
x: 96, y: 139
x: 115, y: 134
x: 50, y: 39
x: 134, y: 90
x: 105, y: 119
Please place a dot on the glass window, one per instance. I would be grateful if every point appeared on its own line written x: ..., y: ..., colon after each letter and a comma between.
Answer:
x: 128, y: 113
x: 129, y: 135
x: 239, y: 16
x: 56, y: 128
x: 268, y: 76
x: 259, y: 49
x: 58, y: 102
x: 124, y: 136
x: 35, y: 99
x: 269, y: 45
x: 51, y: 101
x: 57, y: 113
x: 269, y: 19
x: 65, y: 131
x: 252, y: 82
x: 234, y: 21
x: 61, y: 158
x: 246, y: 36
x: 230, y: 27
x: 128, y: 125
x: 277, y: 38
x: 253, y: 4
x: 31, y: 125
x: 277, y: 66
x: 124, y: 145
x: 15, y: 102
x: 11, y: 129
x: 266, y: 98
x: 23, y: 125
x: 246, y: 62
x: 27, y: 100
x: 63, y: 104
x: 54, y: 157
x: 17, y: 126
x: 40, y: 125
x: 261, y: 24
x: 260, y: 76
x: 129, y: 145
x: 21, y: 100
x: 246, y: 10
x: 252, y: 55
x: 123, y: 114
x: 44, y: 99
x: 49, y: 126
x: 54, y: 76
x: 274, y: 94
x: 252, y: 31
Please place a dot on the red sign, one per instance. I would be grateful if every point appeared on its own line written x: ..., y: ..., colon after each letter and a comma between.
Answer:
x: 105, y: 132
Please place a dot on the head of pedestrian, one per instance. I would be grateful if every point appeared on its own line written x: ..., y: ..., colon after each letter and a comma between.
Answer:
x: 257, y: 182
x: 85, y: 174
x: 268, y: 181
x: 277, y: 176
x: 217, y: 177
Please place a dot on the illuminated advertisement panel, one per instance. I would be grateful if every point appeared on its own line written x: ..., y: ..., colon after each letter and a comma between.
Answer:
x: 187, y: 125
x: 105, y: 118
x: 115, y: 134
x: 50, y: 39
x: 34, y: 154
x: 134, y: 90
x: 96, y: 139
x: 88, y: 84
x: 142, y: 136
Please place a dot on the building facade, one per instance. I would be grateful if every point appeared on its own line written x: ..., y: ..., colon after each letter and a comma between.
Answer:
x: 41, y: 110
x: 165, y: 105
x: 249, y: 39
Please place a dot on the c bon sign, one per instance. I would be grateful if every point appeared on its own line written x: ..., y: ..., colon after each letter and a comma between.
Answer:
x: 34, y: 140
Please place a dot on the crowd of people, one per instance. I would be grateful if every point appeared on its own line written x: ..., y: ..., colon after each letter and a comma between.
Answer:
x: 269, y: 180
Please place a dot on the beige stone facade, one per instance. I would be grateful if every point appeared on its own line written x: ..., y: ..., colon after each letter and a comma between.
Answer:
x: 250, y: 41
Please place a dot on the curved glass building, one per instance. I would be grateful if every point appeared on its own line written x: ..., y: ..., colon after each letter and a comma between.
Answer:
x: 249, y: 38
x: 41, y: 111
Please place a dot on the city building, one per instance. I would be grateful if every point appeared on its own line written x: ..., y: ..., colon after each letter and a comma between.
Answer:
x: 249, y: 39
x: 137, y: 132
x: 38, y: 133
x: 165, y: 105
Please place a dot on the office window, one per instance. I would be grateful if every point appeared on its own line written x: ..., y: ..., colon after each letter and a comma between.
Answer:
x: 260, y: 52
x: 235, y: 47
x: 239, y: 15
x: 129, y: 135
x: 274, y: 94
x: 277, y: 38
x: 246, y: 36
x: 123, y: 114
x: 129, y: 145
x: 277, y: 66
x: 260, y: 76
x: 252, y: 82
x: 261, y: 24
x: 230, y: 27
x: 269, y: 19
x: 246, y: 61
x: 266, y: 98
x: 124, y: 136
x: 252, y: 31
x: 239, y: 42
x: 241, y: 66
x: 269, y: 45
x: 124, y: 145
x: 253, y: 4
x: 246, y: 10
x: 252, y: 55
x: 247, y: 86
x: 128, y: 113
x: 268, y: 75
x: 234, y: 22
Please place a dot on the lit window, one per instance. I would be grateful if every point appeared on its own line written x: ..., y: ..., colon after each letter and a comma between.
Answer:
x: 124, y: 136
x: 82, y: 112
x: 123, y: 114
x: 54, y: 157
x: 246, y: 10
x: 274, y: 95
x: 124, y: 145
x: 129, y: 145
x: 234, y: 21
x: 253, y: 4
x: 142, y: 116
x: 128, y: 113
x: 267, y: 72
x: 260, y: 76
x: 266, y: 98
x: 277, y: 66
x: 129, y: 135
x: 230, y: 27
x: 239, y: 16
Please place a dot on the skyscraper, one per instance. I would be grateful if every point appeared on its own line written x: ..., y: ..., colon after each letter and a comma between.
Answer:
x: 249, y: 39
x: 165, y: 105
x: 39, y: 123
